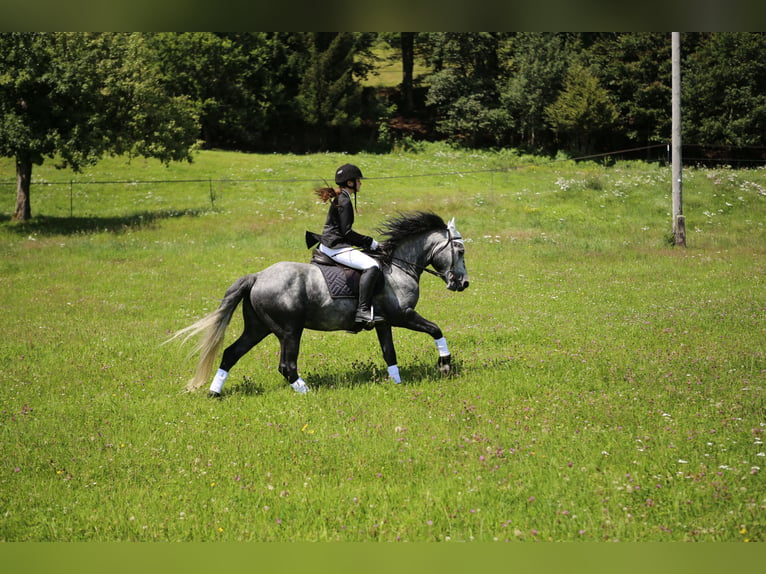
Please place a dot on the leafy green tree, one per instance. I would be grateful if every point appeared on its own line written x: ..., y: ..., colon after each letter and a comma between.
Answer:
x: 724, y: 91
x: 464, y: 86
x: 243, y: 82
x: 206, y: 68
x: 271, y: 90
x: 538, y: 64
x: 635, y: 68
x: 330, y: 92
x: 78, y: 96
x: 582, y: 111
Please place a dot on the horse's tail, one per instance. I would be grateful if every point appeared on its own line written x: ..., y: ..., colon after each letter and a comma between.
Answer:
x: 213, y: 327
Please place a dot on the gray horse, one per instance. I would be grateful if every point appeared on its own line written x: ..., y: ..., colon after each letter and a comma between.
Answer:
x: 288, y: 297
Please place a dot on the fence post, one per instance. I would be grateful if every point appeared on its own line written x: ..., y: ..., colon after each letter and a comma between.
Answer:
x: 212, y: 194
x: 71, y: 198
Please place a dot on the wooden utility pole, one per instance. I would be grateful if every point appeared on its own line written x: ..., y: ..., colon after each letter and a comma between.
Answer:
x: 679, y: 221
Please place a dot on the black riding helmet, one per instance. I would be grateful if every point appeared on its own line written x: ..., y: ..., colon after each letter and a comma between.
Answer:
x: 347, y: 172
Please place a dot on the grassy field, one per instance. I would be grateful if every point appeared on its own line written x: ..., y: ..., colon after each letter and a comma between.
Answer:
x: 608, y: 386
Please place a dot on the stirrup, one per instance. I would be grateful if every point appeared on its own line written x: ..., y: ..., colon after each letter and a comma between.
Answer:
x: 366, y: 321
x: 364, y: 325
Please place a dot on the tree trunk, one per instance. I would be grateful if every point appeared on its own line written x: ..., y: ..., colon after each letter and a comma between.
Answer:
x: 23, y: 182
x: 408, y: 65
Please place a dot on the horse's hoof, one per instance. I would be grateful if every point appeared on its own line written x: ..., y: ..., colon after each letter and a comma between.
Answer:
x: 213, y: 395
x: 300, y: 387
x: 444, y: 365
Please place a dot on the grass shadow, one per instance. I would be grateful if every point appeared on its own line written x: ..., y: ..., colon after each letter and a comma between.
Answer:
x: 360, y: 374
x: 357, y: 374
x: 44, y: 225
x: 248, y: 387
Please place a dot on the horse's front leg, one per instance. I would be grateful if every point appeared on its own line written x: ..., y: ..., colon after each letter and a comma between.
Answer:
x: 416, y: 322
x: 386, y: 340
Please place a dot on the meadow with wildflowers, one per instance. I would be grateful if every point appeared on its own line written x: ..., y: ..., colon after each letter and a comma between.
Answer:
x: 608, y: 386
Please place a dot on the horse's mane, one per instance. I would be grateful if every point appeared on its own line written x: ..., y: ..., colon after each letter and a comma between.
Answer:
x: 403, y: 226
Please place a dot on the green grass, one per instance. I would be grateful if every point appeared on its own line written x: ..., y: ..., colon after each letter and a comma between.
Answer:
x: 608, y: 386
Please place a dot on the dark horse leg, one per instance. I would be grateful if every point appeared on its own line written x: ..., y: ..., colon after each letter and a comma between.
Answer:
x: 386, y: 340
x: 410, y: 319
x: 254, y: 332
x: 290, y: 345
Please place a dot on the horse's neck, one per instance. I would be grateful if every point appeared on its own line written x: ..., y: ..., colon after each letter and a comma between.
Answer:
x: 417, y: 251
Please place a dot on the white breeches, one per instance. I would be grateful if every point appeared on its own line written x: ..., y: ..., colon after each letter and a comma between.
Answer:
x: 350, y: 257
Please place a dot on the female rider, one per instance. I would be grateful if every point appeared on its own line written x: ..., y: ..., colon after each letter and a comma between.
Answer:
x: 342, y: 244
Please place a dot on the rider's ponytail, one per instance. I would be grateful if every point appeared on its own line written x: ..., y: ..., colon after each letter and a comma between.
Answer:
x: 325, y: 193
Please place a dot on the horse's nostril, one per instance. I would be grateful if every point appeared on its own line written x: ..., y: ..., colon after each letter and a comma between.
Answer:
x: 465, y: 284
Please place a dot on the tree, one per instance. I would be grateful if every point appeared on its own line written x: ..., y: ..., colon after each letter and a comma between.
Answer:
x: 78, y: 96
x: 635, y: 68
x: 237, y: 78
x: 207, y: 68
x: 464, y: 86
x: 582, y: 110
x: 537, y: 68
x: 330, y: 94
x: 724, y: 91
x: 407, y: 40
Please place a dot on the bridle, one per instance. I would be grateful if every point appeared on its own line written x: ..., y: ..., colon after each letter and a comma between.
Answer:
x: 451, y: 240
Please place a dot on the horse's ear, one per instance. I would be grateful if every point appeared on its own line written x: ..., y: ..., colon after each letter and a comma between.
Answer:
x: 453, y: 229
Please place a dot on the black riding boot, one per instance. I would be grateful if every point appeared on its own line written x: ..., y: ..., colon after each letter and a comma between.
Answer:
x: 367, y: 281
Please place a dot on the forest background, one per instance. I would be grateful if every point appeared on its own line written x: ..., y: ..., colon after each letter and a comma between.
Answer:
x: 302, y: 92
x: 76, y: 97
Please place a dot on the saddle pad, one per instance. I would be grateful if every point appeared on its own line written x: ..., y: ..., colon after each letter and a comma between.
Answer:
x: 341, y: 281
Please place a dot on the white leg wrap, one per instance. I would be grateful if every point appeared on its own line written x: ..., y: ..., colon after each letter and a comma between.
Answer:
x: 393, y: 374
x: 441, y: 344
x: 299, y: 386
x: 218, y: 381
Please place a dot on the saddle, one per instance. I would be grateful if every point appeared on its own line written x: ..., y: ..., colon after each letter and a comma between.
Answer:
x: 342, y: 281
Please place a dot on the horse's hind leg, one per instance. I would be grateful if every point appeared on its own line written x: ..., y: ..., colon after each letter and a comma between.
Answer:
x: 253, y: 333
x: 290, y: 343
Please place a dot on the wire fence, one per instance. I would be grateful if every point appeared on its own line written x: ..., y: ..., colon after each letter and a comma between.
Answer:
x: 100, y: 198
x: 85, y: 197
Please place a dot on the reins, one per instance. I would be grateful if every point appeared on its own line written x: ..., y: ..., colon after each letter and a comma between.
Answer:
x: 416, y: 266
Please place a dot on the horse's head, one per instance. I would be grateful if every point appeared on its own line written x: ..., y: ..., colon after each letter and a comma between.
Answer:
x: 449, y: 259
x: 417, y: 240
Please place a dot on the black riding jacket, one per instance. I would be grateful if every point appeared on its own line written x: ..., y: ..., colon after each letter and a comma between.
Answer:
x: 338, y: 230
